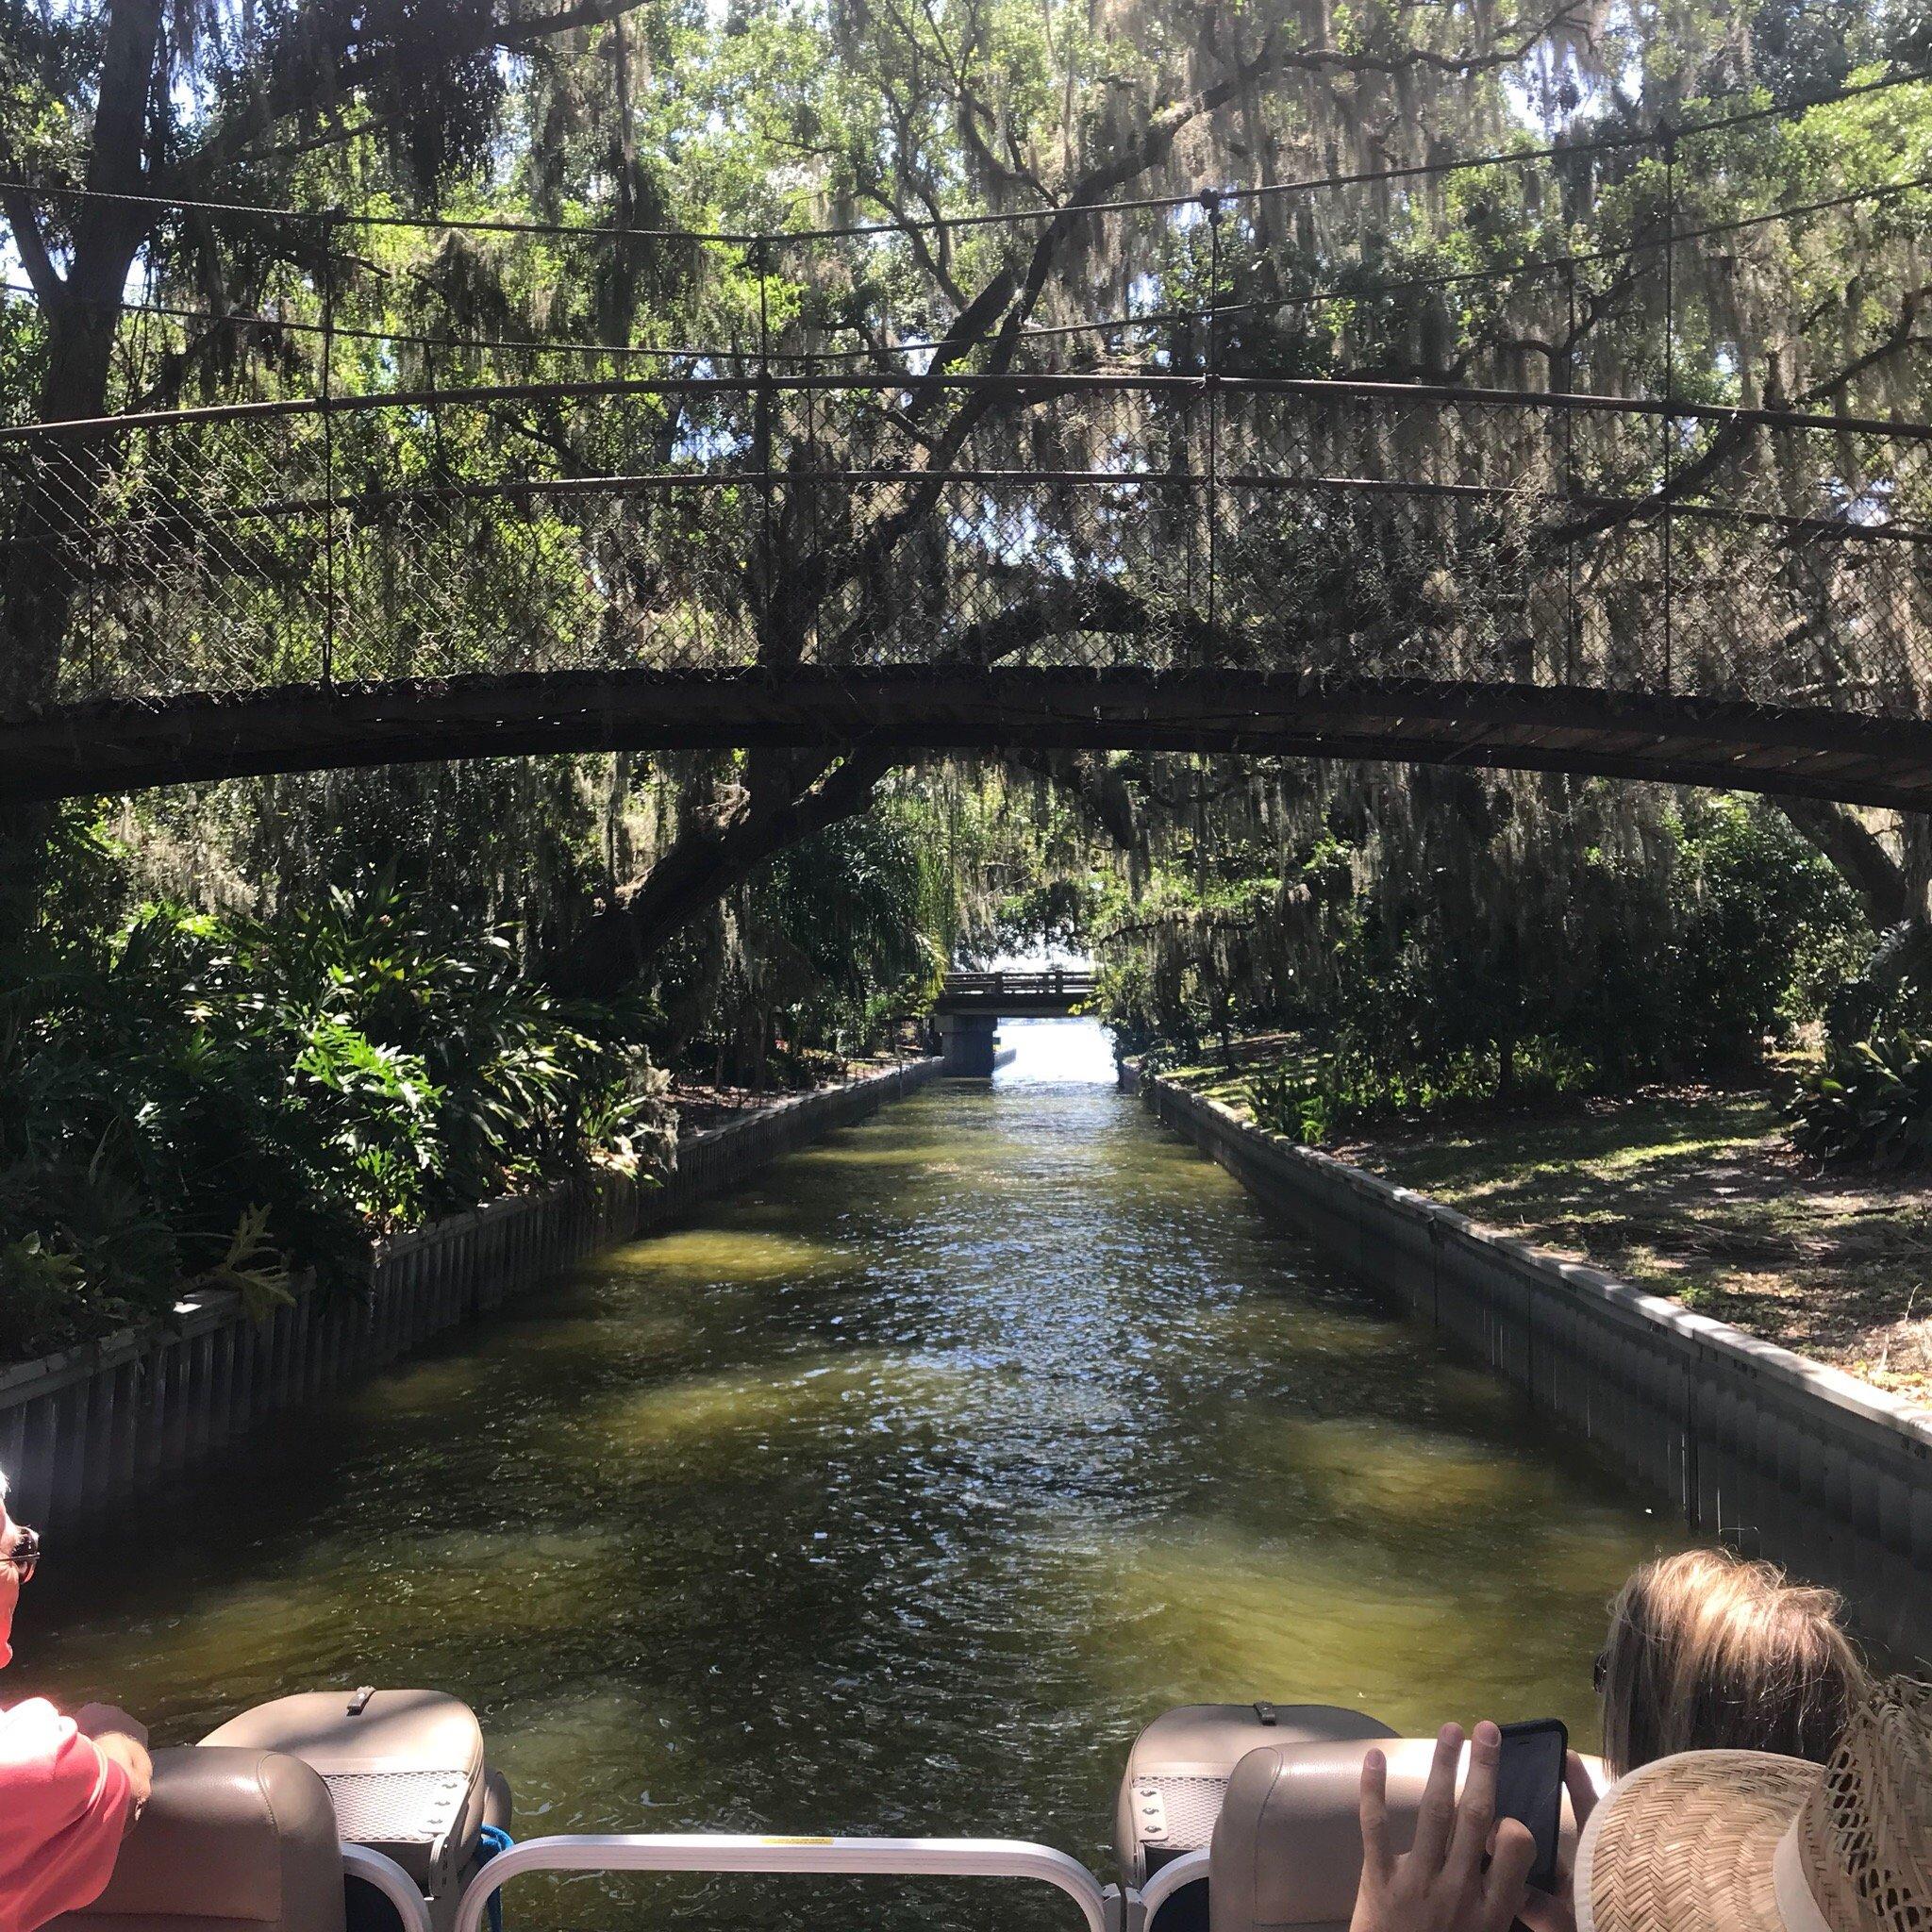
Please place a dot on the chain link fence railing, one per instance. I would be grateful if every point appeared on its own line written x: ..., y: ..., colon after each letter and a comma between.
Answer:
x: 1337, y: 531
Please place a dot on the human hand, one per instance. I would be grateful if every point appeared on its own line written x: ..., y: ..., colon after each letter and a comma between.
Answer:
x: 1556, y: 1911
x: 98, y: 1721
x: 121, y: 1740
x: 1440, y: 1884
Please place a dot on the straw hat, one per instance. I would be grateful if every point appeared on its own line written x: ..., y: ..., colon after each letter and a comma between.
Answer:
x: 1746, y: 1841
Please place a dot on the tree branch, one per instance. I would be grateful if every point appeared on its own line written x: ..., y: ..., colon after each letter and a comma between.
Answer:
x: 1856, y: 855
x: 707, y: 861
x: 26, y: 225
x: 319, y: 85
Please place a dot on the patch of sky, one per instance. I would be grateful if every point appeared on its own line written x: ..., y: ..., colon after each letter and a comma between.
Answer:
x: 1868, y: 506
x: 708, y: 443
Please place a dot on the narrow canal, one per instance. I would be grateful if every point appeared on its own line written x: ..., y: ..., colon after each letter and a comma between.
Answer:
x: 893, y: 1495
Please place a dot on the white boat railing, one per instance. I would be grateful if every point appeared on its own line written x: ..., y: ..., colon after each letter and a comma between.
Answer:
x: 717, y: 1851
x: 377, y: 1869
x: 1142, y: 1904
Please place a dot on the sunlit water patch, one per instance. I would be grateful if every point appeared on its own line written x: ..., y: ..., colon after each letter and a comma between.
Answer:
x: 893, y: 1495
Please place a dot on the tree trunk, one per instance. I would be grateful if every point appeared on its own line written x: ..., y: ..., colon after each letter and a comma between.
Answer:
x: 44, y: 565
x: 46, y: 558
x: 795, y: 796
x: 1858, y: 857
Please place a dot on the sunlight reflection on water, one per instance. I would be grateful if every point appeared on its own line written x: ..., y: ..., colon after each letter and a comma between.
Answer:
x: 893, y: 1493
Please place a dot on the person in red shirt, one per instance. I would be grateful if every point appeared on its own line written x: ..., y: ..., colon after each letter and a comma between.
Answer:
x: 70, y: 1787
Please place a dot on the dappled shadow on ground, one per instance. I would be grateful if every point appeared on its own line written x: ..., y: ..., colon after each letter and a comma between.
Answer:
x: 1695, y: 1194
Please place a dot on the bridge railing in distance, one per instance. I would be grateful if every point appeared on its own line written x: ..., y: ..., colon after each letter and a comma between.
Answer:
x: 1342, y: 530
x: 1047, y: 984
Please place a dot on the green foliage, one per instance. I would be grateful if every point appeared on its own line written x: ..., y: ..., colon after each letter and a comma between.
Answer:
x: 1682, y: 960
x: 192, y: 1102
x: 1491, y: 949
x: 821, y: 950
x: 1872, y: 1101
x: 1284, y: 1099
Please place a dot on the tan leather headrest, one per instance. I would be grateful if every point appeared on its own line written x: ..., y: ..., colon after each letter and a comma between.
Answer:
x: 1187, y: 1754
x: 227, y: 1836
x: 1287, y: 1848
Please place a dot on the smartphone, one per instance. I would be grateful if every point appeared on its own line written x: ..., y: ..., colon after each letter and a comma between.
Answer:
x: 1529, y: 1787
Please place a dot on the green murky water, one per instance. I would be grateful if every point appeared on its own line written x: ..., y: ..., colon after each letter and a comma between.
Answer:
x: 893, y: 1495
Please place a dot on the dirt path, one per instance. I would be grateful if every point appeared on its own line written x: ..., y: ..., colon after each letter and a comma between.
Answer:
x: 1694, y: 1193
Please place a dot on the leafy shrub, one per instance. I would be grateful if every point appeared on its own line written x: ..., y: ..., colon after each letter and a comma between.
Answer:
x: 1871, y: 1101
x: 1284, y: 1099
x: 188, y: 1101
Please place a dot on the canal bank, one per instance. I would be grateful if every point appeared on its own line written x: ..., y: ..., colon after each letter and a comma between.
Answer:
x: 92, y: 1427
x: 1780, y: 1454
x: 891, y: 1492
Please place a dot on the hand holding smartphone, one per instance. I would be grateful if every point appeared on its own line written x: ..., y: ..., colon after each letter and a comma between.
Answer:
x: 1530, y: 1788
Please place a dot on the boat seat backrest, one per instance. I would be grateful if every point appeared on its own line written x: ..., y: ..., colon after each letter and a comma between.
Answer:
x: 404, y: 1769
x: 1288, y: 1847
x: 230, y: 1842
x: 1183, y: 1760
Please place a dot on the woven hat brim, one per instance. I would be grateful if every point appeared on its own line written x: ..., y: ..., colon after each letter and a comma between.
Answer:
x: 1684, y: 1844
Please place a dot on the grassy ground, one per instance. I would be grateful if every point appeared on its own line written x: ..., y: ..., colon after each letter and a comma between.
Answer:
x: 1692, y: 1193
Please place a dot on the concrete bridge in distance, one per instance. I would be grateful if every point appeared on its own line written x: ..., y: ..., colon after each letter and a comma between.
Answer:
x: 971, y: 1005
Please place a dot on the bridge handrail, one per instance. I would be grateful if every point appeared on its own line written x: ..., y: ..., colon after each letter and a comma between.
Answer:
x: 1062, y: 980
x: 1072, y: 381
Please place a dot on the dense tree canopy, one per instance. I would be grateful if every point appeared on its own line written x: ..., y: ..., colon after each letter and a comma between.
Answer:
x: 457, y: 170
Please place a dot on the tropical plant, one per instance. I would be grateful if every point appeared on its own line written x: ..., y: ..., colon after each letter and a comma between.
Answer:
x: 192, y: 1102
x: 1871, y: 1101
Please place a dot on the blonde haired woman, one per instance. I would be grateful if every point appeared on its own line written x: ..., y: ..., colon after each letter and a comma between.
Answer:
x: 1709, y: 1652
x: 1699, y: 1841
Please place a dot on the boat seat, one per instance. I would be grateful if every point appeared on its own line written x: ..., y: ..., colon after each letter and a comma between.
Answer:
x: 1178, y: 1772
x: 1288, y: 1846
x: 1179, y: 1765
x: 403, y: 1769
x: 231, y: 1841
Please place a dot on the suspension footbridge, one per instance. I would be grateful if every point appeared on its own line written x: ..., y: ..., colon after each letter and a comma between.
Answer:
x: 1126, y: 532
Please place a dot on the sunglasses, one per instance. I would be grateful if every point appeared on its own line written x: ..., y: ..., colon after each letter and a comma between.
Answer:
x: 26, y: 1554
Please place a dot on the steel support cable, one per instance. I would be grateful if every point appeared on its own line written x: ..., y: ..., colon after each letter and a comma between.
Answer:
x: 1573, y: 636
x: 1051, y: 385
x: 328, y: 453
x: 407, y: 338
x: 1639, y: 509
x: 1666, y: 423
x: 1052, y: 212
x: 1340, y: 291
x: 1211, y: 205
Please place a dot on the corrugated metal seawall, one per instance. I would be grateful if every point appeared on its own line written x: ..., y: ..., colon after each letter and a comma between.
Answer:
x: 96, y: 1424
x: 1779, y: 1454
